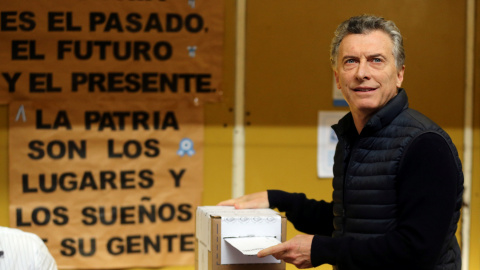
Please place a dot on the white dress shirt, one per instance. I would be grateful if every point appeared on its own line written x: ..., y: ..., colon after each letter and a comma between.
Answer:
x: 21, y: 250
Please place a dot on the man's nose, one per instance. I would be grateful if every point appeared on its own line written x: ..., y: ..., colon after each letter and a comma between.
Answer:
x: 363, y: 71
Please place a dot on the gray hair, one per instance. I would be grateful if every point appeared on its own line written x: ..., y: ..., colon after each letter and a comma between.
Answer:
x: 363, y: 25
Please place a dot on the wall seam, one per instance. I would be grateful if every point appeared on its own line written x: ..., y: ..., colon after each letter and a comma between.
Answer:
x: 238, y: 160
x: 468, y: 131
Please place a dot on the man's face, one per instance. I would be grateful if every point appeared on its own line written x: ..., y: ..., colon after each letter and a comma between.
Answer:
x: 366, y: 71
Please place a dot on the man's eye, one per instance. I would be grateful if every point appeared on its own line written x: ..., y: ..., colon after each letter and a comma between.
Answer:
x: 377, y: 60
x: 350, y: 61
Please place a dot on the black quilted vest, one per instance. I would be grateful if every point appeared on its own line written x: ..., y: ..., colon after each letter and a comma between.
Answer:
x: 365, y: 199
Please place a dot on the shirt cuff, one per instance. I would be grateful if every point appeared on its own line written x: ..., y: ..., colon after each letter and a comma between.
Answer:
x: 324, y: 250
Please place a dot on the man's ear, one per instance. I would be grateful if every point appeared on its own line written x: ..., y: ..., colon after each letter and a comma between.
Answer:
x: 339, y: 86
x: 400, y: 74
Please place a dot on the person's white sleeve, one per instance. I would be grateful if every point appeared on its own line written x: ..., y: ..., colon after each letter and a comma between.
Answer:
x: 43, y: 259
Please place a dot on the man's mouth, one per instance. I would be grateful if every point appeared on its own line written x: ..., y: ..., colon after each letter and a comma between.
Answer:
x: 364, y: 89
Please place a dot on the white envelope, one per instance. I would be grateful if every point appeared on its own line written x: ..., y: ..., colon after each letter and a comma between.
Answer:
x: 252, y: 245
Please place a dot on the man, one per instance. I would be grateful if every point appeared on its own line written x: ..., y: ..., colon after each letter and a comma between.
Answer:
x: 21, y: 250
x: 397, y: 182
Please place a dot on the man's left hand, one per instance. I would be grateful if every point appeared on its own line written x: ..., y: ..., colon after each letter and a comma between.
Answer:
x: 295, y: 251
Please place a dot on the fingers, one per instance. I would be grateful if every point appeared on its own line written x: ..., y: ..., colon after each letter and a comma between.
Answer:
x: 296, y: 251
x: 274, y: 250
x: 233, y: 202
x: 230, y: 202
x: 250, y: 201
x: 251, y: 204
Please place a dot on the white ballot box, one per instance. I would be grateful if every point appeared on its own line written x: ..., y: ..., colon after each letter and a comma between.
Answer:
x: 229, y: 239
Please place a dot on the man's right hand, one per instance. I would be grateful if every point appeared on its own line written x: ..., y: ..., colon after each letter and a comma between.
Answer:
x: 254, y: 200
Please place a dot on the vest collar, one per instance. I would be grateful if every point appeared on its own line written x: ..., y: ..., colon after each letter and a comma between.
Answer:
x: 380, y: 119
x: 386, y: 114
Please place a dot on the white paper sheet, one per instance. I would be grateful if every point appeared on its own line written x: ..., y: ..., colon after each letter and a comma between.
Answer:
x: 252, y: 245
x: 326, y: 141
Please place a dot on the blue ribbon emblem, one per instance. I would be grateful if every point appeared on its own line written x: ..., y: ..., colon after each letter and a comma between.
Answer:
x: 186, y: 147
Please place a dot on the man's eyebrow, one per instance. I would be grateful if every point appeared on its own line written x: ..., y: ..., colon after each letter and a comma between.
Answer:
x: 376, y: 55
x: 368, y: 56
x: 350, y: 57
